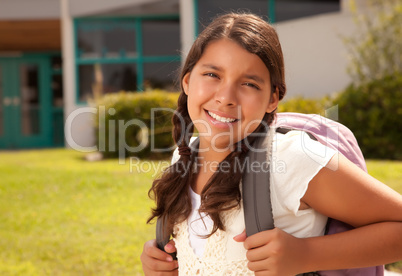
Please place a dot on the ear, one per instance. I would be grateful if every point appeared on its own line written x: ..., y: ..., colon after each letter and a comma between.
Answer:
x: 185, y: 82
x: 273, y: 101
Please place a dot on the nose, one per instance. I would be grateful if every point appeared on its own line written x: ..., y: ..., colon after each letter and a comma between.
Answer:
x: 226, y: 94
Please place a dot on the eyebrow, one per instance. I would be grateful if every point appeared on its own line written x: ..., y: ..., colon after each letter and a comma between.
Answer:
x: 255, y: 78
x: 211, y: 66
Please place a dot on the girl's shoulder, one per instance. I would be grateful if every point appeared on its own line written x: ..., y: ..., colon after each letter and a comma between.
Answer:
x: 295, y: 160
x: 298, y: 147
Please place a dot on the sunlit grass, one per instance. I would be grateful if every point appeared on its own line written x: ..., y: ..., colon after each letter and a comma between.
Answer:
x: 62, y: 215
x: 389, y: 172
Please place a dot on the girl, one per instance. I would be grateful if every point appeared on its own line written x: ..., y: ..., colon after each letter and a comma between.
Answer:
x: 231, y: 83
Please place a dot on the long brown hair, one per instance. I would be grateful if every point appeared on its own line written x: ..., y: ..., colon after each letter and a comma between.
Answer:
x: 222, y: 192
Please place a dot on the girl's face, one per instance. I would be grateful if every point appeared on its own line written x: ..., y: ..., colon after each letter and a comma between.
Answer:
x: 229, y: 92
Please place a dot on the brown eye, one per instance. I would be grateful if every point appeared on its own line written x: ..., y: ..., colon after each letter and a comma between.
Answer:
x: 212, y: 75
x: 252, y: 85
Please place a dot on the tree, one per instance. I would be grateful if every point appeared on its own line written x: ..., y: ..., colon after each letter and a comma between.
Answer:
x: 376, y: 49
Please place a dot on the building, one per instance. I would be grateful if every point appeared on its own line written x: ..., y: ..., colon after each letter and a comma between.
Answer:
x: 52, y: 53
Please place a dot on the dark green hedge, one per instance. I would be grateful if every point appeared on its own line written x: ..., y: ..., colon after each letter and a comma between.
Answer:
x: 124, y: 120
x: 373, y: 112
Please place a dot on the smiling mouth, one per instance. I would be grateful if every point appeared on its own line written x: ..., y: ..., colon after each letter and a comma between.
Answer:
x: 220, y: 118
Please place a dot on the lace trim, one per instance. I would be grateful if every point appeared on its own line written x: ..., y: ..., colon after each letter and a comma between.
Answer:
x: 213, y: 261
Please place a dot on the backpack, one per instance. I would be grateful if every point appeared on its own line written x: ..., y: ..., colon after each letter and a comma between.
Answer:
x: 255, y: 185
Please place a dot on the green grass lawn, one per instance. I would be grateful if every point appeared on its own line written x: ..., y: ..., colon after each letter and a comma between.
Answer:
x: 62, y: 215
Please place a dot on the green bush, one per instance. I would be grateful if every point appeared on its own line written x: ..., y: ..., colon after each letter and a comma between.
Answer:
x: 373, y: 111
x: 125, y: 122
x: 306, y: 106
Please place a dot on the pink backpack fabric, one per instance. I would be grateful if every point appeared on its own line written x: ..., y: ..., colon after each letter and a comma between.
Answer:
x: 338, y: 137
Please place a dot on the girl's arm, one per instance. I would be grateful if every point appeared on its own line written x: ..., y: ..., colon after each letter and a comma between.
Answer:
x: 370, y: 245
x: 343, y: 191
x: 274, y: 252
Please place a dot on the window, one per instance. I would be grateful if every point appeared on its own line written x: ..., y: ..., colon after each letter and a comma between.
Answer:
x: 154, y: 32
x: 106, y: 38
x: 160, y: 75
x: 292, y: 9
x: 30, y: 99
x: 107, y: 77
x: 125, y: 54
x: 57, y: 82
x: 272, y: 10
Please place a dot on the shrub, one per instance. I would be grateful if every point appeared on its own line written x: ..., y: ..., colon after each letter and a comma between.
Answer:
x: 306, y: 106
x: 125, y: 122
x: 373, y: 111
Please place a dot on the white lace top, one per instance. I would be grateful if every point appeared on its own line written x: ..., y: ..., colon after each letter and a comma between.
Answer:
x: 296, y: 159
x: 222, y: 255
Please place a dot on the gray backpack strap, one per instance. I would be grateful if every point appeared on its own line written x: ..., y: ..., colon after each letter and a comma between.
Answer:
x: 256, y: 187
x: 256, y: 191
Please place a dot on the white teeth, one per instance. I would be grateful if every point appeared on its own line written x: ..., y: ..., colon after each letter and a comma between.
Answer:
x: 221, y: 119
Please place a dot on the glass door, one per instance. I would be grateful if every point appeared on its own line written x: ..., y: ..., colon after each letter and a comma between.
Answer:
x: 30, y: 103
x: 3, y: 104
x: 25, y: 103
